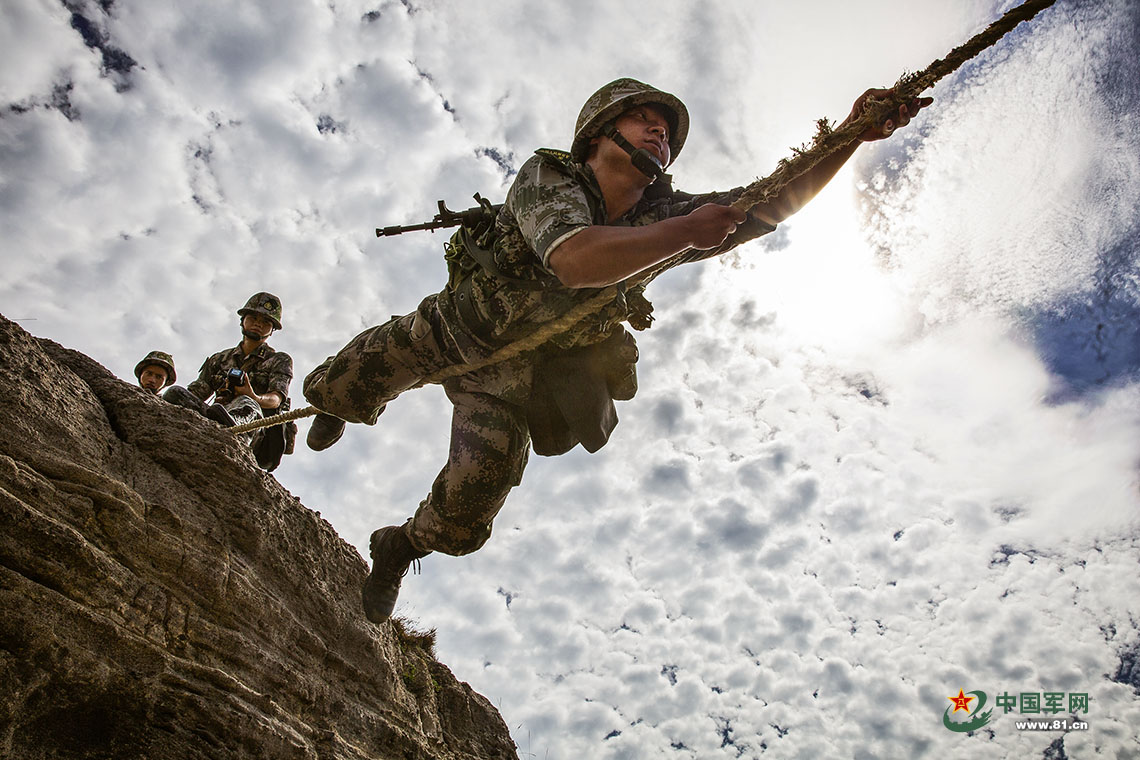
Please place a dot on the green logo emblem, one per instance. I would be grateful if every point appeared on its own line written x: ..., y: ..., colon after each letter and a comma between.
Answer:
x: 977, y: 718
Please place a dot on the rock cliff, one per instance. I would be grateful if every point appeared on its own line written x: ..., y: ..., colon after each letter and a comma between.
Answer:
x: 163, y: 597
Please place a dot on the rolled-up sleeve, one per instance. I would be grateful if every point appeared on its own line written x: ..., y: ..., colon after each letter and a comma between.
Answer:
x: 279, y: 374
x: 549, y: 205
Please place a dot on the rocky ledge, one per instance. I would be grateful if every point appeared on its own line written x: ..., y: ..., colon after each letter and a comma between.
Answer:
x: 163, y: 597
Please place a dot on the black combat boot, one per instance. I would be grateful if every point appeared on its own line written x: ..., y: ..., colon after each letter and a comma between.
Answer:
x: 324, y: 432
x: 180, y: 396
x: 392, y: 554
x: 218, y: 414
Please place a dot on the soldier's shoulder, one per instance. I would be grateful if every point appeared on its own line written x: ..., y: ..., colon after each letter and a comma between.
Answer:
x: 218, y: 356
x: 271, y: 358
x: 266, y: 352
x: 280, y: 357
x: 545, y: 160
x: 552, y: 155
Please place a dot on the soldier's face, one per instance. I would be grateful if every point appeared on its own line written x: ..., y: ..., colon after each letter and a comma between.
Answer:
x: 647, y: 126
x: 258, y: 324
x: 152, y: 378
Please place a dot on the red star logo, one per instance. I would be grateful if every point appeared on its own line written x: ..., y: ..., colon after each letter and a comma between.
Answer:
x: 961, y: 702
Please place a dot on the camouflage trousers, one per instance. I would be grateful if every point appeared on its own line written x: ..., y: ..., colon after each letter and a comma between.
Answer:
x: 243, y: 409
x: 489, y: 435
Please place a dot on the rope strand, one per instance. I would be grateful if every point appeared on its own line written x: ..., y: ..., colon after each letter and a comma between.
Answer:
x: 276, y: 419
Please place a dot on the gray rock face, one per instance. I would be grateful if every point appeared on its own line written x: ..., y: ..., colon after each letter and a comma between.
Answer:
x: 162, y: 597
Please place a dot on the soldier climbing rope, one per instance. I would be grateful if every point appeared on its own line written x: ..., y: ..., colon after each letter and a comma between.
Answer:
x: 826, y: 142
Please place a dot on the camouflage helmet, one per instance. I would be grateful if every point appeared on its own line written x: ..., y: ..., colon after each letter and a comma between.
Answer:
x: 615, y: 98
x: 160, y: 359
x: 265, y: 304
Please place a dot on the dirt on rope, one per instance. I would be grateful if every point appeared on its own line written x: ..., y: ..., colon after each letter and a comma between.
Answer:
x: 826, y: 142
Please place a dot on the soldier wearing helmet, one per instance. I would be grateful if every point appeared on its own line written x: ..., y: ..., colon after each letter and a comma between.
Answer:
x: 600, y: 113
x: 572, y: 222
x: 247, y: 382
x: 155, y: 371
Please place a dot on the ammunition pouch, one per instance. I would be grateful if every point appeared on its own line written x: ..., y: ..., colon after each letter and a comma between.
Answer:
x: 573, y: 392
x: 465, y: 307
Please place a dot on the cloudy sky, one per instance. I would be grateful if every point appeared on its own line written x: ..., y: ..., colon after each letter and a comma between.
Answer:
x: 890, y: 452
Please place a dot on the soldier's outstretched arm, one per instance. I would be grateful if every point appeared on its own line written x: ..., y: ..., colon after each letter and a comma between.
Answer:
x: 797, y: 193
x: 602, y: 255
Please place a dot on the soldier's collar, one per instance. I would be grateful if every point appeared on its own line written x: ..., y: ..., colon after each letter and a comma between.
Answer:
x: 264, y: 348
x: 560, y: 156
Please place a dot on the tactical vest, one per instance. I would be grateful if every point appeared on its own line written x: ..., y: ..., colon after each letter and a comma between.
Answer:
x: 573, y: 389
x: 473, y: 246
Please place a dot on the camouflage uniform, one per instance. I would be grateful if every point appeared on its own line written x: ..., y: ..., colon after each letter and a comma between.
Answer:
x: 552, y: 198
x: 268, y: 370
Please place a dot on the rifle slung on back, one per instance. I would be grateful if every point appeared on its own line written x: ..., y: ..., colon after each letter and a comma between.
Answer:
x: 472, y: 218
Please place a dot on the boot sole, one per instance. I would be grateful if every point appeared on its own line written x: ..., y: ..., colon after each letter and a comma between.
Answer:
x: 322, y: 445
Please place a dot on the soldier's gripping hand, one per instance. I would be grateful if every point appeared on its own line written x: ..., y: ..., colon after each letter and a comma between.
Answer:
x: 899, y: 118
x: 708, y: 226
x: 245, y: 388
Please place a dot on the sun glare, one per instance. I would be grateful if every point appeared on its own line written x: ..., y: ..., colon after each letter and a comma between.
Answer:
x: 825, y: 286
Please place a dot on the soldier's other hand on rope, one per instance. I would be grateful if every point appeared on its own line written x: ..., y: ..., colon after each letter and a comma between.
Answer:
x: 709, y: 225
x: 898, y: 119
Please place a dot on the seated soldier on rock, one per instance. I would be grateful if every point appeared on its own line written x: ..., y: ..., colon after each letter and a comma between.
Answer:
x: 247, y: 382
x: 155, y: 371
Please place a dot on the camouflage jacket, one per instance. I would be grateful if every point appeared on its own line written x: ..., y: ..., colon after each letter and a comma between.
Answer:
x: 553, y: 198
x: 268, y: 370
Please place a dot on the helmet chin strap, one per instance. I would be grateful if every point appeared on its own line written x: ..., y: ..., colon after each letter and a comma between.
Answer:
x: 254, y: 336
x: 642, y: 159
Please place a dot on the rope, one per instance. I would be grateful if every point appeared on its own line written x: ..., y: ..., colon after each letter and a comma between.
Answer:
x: 909, y: 86
x: 826, y: 142
x: 276, y: 419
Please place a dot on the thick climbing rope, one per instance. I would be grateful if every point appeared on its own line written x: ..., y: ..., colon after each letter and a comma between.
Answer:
x: 826, y: 142
x: 909, y: 86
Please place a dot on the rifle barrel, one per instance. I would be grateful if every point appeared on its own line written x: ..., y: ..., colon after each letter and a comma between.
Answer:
x: 399, y: 229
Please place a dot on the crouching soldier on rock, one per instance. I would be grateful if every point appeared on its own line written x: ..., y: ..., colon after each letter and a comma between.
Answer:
x: 572, y: 223
x: 155, y: 371
x: 247, y: 382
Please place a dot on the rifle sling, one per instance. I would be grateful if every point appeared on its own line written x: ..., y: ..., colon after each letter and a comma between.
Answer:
x: 486, y: 259
x: 464, y: 303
